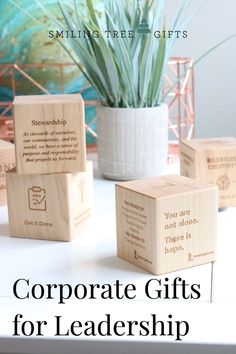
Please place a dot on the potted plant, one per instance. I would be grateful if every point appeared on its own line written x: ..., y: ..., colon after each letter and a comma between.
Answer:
x: 114, y: 45
x: 125, y: 63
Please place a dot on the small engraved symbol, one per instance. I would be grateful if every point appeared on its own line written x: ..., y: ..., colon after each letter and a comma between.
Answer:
x: 135, y: 254
x: 190, y: 257
x: 81, y: 187
x: 223, y: 182
x: 37, y: 198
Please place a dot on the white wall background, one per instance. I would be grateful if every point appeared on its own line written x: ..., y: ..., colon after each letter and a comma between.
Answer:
x: 215, y: 76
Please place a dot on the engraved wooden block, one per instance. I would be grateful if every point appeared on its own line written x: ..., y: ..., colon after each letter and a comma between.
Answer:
x: 166, y: 223
x: 49, y: 206
x: 7, y: 161
x: 49, y: 134
x: 213, y: 161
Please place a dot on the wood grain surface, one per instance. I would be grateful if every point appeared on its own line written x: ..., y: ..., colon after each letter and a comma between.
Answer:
x: 49, y: 206
x: 166, y: 223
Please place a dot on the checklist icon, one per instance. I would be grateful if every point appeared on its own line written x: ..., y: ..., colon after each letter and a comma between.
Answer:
x: 37, y: 198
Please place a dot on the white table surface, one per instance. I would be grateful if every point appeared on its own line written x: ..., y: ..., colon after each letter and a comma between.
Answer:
x: 91, y: 258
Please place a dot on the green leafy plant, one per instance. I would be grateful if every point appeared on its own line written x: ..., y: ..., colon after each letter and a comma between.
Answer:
x: 125, y: 72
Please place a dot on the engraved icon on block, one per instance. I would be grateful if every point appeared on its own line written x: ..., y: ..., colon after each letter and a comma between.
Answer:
x: 190, y: 257
x: 213, y: 161
x: 167, y: 223
x: 37, y: 198
x: 223, y: 182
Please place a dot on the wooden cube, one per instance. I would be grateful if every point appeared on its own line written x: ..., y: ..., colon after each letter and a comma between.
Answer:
x: 166, y: 223
x: 212, y: 161
x: 49, y: 134
x: 7, y: 162
x: 51, y: 206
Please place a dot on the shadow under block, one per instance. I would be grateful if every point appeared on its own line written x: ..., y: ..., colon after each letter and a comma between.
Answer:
x: 165, y: 224
x: 49, y: 134
x: 7, y: 162
x: 49, y: 207
x: 213, y: 161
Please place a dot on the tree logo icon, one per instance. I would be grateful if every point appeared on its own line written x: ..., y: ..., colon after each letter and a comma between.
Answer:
x: 223, y: 183
x: 143, y: 27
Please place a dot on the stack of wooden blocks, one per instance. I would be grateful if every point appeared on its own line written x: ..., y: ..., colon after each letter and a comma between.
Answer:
x: 50, y: 191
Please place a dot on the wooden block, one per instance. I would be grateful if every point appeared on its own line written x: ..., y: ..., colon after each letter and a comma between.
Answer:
x: 166, y: 223
x: 212, y: 161
x: 49, y: 134
x: 49, y: 207
x: 7, y: 162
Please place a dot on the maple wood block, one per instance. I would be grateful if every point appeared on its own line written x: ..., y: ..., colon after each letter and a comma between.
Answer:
x: 7, y: 161
x: 49, y: 134
x: 213, y: 161
x: 49, y: 206
x: 166, y: 223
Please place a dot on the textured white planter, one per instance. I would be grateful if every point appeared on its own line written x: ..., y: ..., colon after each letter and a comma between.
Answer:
x: 132, y: 142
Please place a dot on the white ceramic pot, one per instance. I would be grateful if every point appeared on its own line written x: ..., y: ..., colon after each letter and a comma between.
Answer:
x: 132, y: 142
